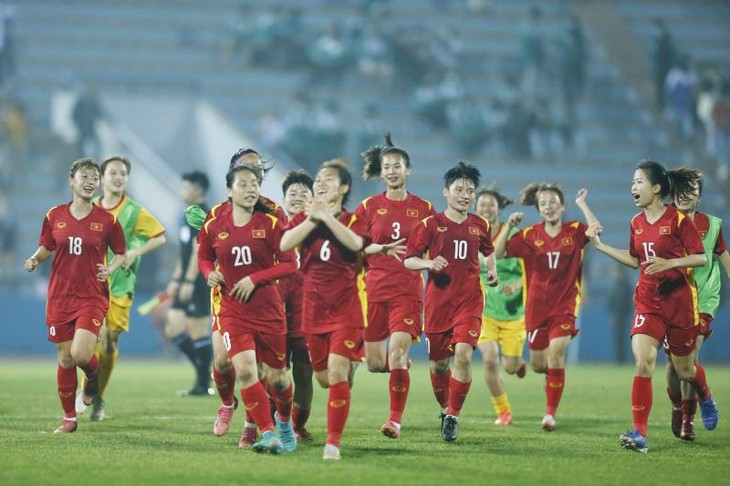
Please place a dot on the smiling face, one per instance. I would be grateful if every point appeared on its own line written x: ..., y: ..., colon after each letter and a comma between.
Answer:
x: 115, y: 177
x: 393, y: 170
x: 296, y: 198
x: 642, y: 190
x: 687, y: 203
x: 488, y: 208
x: 327, y: 185
x: 550, y: 207
x: 244, y: 190
x: 460, y: 195
x: 85, y: 183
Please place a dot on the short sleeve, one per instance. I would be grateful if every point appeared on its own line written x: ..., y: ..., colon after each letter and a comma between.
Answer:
x: 581, y: 240
x: 720, y: 245
x: 117, y: 243
x: 283, y: 256
x: 360, y: 227
x: 419, y: 240
x: 295, y: 221
x: 517, y: 246
x: 147, y: 225
x: 690, y: 237
x: 486, y: 247
x: 632, y: 250
x: 46, y: 239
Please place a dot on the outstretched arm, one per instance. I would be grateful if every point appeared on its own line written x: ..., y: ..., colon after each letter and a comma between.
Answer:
x: 580, y: 201
x: 621, y: 256
x: 41, y: 255
x: 500, y: 243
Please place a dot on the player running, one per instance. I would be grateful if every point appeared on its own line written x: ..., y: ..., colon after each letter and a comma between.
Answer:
x: 664, y: 244
x: 143, y: 234
x: 188, y: 320
x: 452, y: 242
x: 239, y: 252
x: 81, y: 237
x: 297, y: 189
x: 503, y: 321
x: 329, y: 239
x: 686, y: 193
x: 552, y: 256
x: 394, y: 294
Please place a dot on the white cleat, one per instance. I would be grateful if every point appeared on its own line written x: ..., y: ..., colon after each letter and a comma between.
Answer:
x: 331, y: 452
x: 80, y: 405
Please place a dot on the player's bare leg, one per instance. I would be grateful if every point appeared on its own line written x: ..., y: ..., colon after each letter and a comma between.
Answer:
x: 376, y: 356
x: 108, y: 354
x: 399, y: 382
x: 495, y: 384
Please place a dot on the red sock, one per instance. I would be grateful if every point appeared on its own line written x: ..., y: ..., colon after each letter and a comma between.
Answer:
x: 338, y: 407
x: 699, y: 383
x: 440, y: 384
x: 641, y: 399
x: 689, y: 408
x: 457, y: 394
x: 91, y: 368
x: 225, y: 383
x: 283, y: 402
x: 676, y: 399
x: 256, y: 402
x: 67, y: 383
x: 299, y: 417
x: 400, y: 382
x: 555, y: 384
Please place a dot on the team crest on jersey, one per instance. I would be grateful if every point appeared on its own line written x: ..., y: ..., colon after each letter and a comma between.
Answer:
x: 441, y: 229
x: 665, y: 230
x: 61, y: 224
x: 382, y: 211
x: 96, y: 227
x: 473, y: 333
x: 539, y: 243
x: 259, y: 234
x: 638, y: 231
x: 96, y: 322
x: 408, y: 322
x: 565, y: 327
x: 281, y: 357
x: 473, y: 230
x: 412, y: 213
x: 349, y: 344
x: 223, y: 235
x: 689, y: 343
x: 567, y: 241
x: 703, y: 234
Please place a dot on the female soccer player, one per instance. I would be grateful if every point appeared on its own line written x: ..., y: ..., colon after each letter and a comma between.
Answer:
x: 329, y: 239
x: 394, y: 294
x: 503, y: 321
x: 663, y: 243
x: 297, y: 189
x: 239, y: 252
x: 454, y: 302
x: 686, y: 193
x: 78, y: 235
x: 552, y: 255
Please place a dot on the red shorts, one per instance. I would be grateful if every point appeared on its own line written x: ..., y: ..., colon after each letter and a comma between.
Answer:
x: 676, y: 340
x: 61, y: 333
x: 441, y: 345
x: 705, y: 321
x: 345, y: 341
x: 385, y: 318
x: 538, y: 337
x: 296, y: 350
x: 270, y: 348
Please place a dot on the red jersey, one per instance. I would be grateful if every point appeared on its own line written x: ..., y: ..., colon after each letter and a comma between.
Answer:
x: 671, y: 293
x: 331, y: 298
x: 225, y: 207
x: 552, y: 269
x: 251, y: 250
x: 79, y: 245
x: 387, y: 221
x: 455, y: 293
x: 292, y: 290
x: 702, y: 223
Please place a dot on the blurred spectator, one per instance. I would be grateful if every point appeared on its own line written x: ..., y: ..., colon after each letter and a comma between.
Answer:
x: 8, y: 242
x: 7, y: 42
x: 679, y: 88
x: 86, y: 113
x: 272, y: 129
x: 620, y: 304
x: 329, y: 56
x: 467, y: 123
x: 721, y: 119
x: 662, y: 56
x: 446, y: 49
x: 533, y: 55
x: 15, y: 136
x: 431, y: 100
x: 373, y: 55
x: 369, y: 131
x: 573, y: 64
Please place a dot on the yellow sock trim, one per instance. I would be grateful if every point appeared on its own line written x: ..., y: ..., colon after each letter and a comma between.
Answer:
x: 501, y: 404
x: 106, y: 366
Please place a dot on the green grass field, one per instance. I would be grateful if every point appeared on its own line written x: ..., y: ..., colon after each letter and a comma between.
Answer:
x: 154, y: 437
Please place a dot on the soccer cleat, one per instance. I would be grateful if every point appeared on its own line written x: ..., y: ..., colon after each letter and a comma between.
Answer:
x: 331, y: 453
x: 223, y: 421
x: 67, y: 426
x: 688, y: 430
x: 505, y: 418
x: 548, y: 423
x: 634, y: 441
x: 391, y: 430
x: 522, y: 370
x: 303, y: 435
x: 676, y: 421
x: 269, y: 443
x: 196, y: 391
x: 286, y: 433
x: 450, y: 428
x: 80, y: 405
x: 710, y: 414
x: 248, y: 437
x: 98, y: 412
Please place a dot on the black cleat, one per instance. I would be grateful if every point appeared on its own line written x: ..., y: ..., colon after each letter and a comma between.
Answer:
x: 450, y: 428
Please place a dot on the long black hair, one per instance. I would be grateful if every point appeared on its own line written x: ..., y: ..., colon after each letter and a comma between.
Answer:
x: 373, y: 158
x: 528, y: 194
x: 231, y: 175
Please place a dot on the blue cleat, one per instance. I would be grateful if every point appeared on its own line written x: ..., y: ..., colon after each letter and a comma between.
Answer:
x: 634, y: 441
x: 286, y: 433
x: 710, y: 415
x: 269, y: 443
